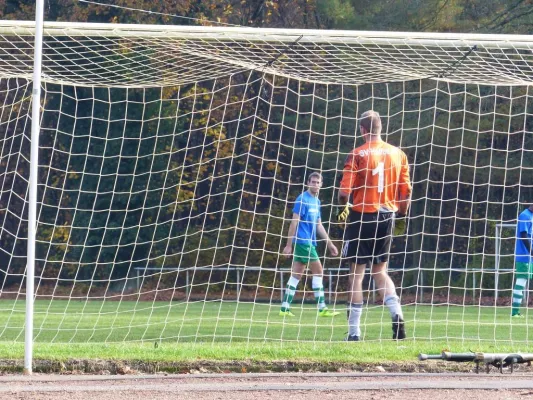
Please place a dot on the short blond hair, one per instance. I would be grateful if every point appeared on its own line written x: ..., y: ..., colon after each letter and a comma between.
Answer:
x: 371, y: 121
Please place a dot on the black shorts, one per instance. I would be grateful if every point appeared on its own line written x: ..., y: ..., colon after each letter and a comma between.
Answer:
x: 368, y: 237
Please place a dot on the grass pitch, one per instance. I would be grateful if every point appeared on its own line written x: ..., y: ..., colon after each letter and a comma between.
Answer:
x: 230, y: 331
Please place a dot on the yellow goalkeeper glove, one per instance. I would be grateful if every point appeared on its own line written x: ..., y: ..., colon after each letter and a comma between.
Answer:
x: 343, y: 214
x: 400, y: 224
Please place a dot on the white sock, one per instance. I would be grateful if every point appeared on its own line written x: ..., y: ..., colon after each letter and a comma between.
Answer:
x: 395, y: 308
x: 293, y: 282
x: 354, y: 318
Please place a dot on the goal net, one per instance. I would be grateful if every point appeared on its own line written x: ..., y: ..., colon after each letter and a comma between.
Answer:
x: 170, y: 158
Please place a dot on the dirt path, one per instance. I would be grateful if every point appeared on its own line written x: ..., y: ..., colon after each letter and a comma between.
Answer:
x: 318, y: 386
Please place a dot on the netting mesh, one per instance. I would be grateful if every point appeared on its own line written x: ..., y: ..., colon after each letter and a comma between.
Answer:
x: 168, y: 167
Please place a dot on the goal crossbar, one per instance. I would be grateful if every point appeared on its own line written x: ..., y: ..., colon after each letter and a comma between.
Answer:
x: 158, y: 56
x: 24, y: 28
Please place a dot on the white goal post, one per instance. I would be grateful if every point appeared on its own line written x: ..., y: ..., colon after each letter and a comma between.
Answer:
x: 170, y: 158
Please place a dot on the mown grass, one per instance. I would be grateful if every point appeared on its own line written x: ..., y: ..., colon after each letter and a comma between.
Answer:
x: 223, y: 331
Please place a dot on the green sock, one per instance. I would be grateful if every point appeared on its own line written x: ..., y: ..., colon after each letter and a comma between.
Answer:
x: 318, y: 290
x: 287, y: 299
x: 289, y: 293
x: 518, y: 294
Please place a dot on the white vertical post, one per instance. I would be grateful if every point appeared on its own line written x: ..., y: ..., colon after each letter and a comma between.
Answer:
x: 473, y: 283
x: 421, y: 286
x: 32, y: 200
x: 497, y: 265
x: 281, y: 283
x: 330, y: 286
x: 239, y: 286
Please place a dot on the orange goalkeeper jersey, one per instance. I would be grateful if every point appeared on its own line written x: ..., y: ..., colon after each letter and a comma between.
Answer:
x: 374, y: 176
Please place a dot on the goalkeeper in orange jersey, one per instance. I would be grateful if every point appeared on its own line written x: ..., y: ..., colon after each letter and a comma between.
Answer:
x: 375, y: 191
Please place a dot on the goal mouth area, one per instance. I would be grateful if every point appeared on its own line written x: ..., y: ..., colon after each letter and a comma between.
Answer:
x: 89, y: 54
x: 170, y: 159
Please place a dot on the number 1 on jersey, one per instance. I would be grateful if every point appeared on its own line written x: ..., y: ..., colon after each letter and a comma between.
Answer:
x: 380, y: 172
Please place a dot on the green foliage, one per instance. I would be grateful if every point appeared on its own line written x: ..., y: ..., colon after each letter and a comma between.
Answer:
x: 182, y: 177
x: 498, y: 16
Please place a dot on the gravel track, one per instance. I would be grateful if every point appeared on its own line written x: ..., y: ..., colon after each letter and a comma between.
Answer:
x: 339, y: 386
